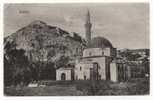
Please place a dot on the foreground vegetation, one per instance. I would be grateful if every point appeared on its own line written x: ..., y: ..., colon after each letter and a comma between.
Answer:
x: 77, y: 88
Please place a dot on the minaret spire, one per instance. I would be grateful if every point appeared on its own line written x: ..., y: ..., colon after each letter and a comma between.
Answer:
x: 88, y: 26
x: 88, y: 17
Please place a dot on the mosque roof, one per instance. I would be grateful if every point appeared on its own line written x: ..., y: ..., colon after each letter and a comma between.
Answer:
x: 100, y: 42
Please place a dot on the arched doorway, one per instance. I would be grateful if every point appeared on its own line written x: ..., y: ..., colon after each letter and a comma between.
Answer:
x: 63, y: 76
x: 94, y: 72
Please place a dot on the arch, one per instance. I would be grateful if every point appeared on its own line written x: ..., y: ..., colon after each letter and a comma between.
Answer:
x: 63, y: 76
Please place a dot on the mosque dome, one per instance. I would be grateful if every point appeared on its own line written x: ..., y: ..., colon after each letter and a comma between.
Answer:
x: 100, y: 42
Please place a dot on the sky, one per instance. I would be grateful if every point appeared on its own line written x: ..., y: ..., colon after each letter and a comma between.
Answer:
x: 125, y: 25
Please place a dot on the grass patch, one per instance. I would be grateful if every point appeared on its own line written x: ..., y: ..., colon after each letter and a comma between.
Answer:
x: 77, y: 88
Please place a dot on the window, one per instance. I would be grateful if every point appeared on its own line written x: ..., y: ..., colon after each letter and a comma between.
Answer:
x: 80, y: 68
x: 90, y: 53
x: 77, y: 50
x: 102, y: 52
x: 84, y: 77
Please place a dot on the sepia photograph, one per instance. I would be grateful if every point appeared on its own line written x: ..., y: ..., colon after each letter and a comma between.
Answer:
x: 76, y: 49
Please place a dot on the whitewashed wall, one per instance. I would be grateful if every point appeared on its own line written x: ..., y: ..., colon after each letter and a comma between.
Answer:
x: 113, y: 72
x: 85, y: 71
x: 97, y: 52
x: 67, y: 74
x: 102, y: 62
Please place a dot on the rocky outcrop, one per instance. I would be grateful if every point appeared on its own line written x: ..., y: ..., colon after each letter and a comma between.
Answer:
x: 46, y: 43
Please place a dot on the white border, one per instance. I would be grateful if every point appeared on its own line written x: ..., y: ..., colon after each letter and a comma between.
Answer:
x: 2, y: 97
x: 70, y: 1
x: 74, y: 1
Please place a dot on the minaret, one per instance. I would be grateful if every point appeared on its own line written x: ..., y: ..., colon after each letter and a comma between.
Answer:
x: 88, y: 26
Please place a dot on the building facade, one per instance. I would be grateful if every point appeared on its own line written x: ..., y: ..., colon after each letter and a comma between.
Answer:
x: 98, y: 62
x: 65, y: 74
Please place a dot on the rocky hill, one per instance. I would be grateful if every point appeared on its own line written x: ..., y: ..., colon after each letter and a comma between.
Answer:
x: 44, y: 42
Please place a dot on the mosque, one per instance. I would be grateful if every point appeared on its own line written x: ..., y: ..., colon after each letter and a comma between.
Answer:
x: 99, y: 61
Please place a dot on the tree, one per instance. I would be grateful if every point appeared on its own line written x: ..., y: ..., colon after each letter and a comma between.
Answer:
x: 16, y: 66
x: 62, y: 62
x: 129, y: 56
